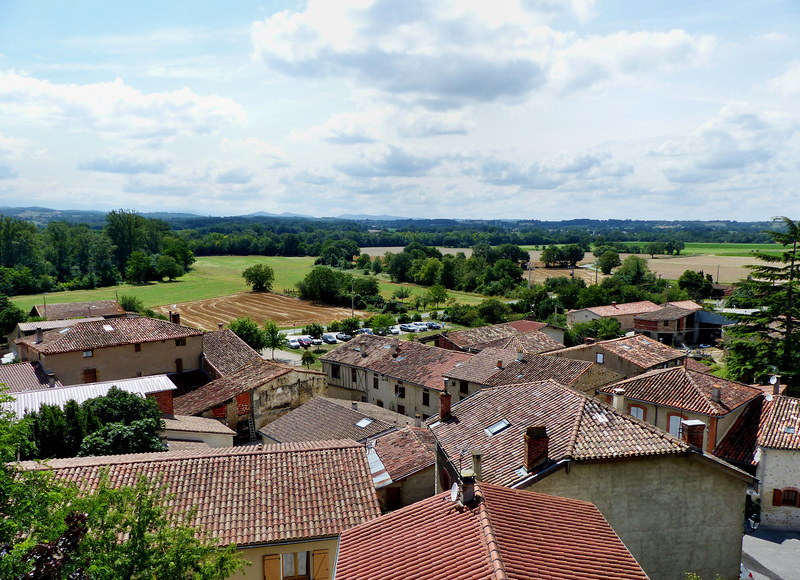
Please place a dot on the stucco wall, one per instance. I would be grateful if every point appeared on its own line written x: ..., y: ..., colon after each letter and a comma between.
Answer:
x: 675, y: 514
x: 778, y: 469
x: 594, y: 377
x: 256, y: 556
x: 285, y: 393
x: 210, y: 439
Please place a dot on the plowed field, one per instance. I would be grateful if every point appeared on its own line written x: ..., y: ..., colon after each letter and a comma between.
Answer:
x: 286, y: 311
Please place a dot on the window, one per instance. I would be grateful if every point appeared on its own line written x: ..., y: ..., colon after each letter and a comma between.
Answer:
x: 599, y: 358
x: 379, y: 403
x: 334, y: 371
x: 463, y: 387
x: 90, y: 375
x: 497, y: 427
x: 375, y: 382
x: 295, y: 565
x: 790, y: 497
x: 674, y: 423
x: 88, y: 353
x: 426, y: 398
x: 666, y: 323
x: 400, y: 391
x: 637, y: 411
x: 401, y: 409
x: 180, y: 342
x: 353, y: 375
x: 137, y: 347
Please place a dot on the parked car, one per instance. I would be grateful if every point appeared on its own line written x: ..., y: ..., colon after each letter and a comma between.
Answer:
x: 394, y: 330
x: 316, y: 341
x: 421, y: 326
x: 292, y: 343
x: 433, y: 325
x: 343, y: 337
x: 329, y: 338
x: 305, y: 342
x: 408, y: 327
x: 364, y: 331
x: 744, y: 573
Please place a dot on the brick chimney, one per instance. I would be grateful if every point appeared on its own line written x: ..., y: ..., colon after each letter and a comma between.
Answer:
x: 693, y: 432
x: 500, y: 364
x: 174, y: 317
x: 536, y: 446
x: 444, y: 406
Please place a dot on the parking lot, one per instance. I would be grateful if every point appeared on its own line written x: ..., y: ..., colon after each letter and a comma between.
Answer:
x: 772, y: 555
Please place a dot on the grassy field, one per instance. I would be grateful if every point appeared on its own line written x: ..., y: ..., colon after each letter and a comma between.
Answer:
x: 729, y: 249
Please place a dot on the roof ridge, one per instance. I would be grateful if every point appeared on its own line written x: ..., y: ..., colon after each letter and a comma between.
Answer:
x: 573, y: 437
x: 652, y: 428
x: 708, y: 403
x: 487, y: 530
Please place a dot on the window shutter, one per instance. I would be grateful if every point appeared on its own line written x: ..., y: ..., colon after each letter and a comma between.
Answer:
x: 777, y: 497
x: 320, y: 564
x: 272, y: 567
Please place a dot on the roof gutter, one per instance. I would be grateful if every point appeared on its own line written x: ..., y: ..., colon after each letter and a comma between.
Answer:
x: 539, y: 475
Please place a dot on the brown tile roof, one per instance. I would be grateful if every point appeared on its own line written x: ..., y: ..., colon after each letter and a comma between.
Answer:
x: 249, y: 496
x: 664, y: 313
x: 226, y: 352
x: 376, y: 412
x: 698, y: 367
x: 482, y: 365
x: 175, y: 445
x: 527, y: 325
x: 78, y: 310
x: 25, y: 376
x: 641, y: 350
x: 686, y: 305
x: 482, y: 368
x: 579, y: 428
x: 30, y: 327
x: 766, y: 422
x: 532, y: 342
x: 250, y: 376
x: 626, y: 308
x: 320, y: 419
x: 406, y: 451
x: 106, y: 333
x: 685, y: 389
x: 415, y: 363
x: 504, y: 335
x: 505, y: 534
x: 195, y: 425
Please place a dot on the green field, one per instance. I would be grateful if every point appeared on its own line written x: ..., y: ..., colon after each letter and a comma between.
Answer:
x: 729, y: 249
x: 214, y: 276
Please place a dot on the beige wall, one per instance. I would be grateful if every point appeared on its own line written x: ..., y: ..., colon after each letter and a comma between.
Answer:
x: 778, y: 469
x: 285, y: 393
x: 413, y: 488
x: 583, y: 315
x: 610, y: 360
x: 594, y: 377
x: 256, y: 556
x: 120, y: 362
x: 210, y: 439
x: 675, y: 514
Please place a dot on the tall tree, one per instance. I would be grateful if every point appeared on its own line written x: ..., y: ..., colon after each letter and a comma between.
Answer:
x: 249, y: 332
x: 260, y: 277
x: 126, y: 230
x: 273, y: 337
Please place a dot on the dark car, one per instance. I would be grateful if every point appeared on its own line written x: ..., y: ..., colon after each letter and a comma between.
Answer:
x: 343, y: 337
x: 434, y: 326
x: 364, y: 331
x: 304, y: 342
x: 329, y: 338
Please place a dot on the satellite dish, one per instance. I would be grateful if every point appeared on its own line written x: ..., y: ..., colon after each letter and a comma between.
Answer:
x: 454, y: 492
x: 773, y: 380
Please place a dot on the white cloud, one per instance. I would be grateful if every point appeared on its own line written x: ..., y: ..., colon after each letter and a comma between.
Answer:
x: 387, y: 161
x: 347, y: 129
x: 786, y: 84
x: 115, y: 108
x: 124, y: 163
x: 434, y: 124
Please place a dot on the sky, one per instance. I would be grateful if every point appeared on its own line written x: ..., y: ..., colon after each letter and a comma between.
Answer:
x: 528, y: 109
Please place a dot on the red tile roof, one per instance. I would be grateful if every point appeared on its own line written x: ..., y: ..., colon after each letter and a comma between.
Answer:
x: 579, y: 427
x: 531, y: 342
x: 686, y: 304
x: 406, y: 451
x: 527, y: 325
x: 626, y: 308
x: 106, y: 333
x: 415, y: 363
x: 504, y: 534
x: 641, y: 350
x: 685, y: 389
x: 26, y: 376
x: 226, y: 352
x: 766, y: 422
x: 482, y: 368
x: 249, y: 496
x: 78, y: 310
x: 666, y: 312
x: 191, y: 424
x: 504, y: 335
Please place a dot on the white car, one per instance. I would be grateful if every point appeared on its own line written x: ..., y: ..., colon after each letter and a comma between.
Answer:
x: 394, y: 330
x: 293, y: 343
x: 744, y: 573
x: 420, y: 326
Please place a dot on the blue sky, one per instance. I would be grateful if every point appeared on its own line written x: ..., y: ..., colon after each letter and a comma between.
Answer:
x: 540, y: 109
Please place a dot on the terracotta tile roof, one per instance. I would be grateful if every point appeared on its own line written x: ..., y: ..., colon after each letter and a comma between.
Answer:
x: 664, y: 313
x: 320, y: 419
x: 482, y: 368
x: 249, y: 496
x: 226, y: 352
x: 698, y: 367
x: 685, y: 389
x: 527, y: 325
x: 415, y: 363
x: 174, y: 445
x: 376, y: 412
x: 482, y: 365
x: 503, y: 336
x: 106, y: 333
x: 772, y: 421
x: 78, y: 310
x: 579, y: 427
x: 250, y: 376
x: 623, y: 309
x: 639, y: 349
x: 195, y: 425
x: 505, y: 534
x: 686, y: 305
x: 25, y: 376
x: 406, y: 451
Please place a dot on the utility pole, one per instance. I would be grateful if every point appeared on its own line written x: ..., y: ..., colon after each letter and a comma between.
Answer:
x: 352, y: 298
x: 530, y: 267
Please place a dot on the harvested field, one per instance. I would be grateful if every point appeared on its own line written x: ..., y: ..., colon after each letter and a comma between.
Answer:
x: 259, y: 306
x: 731, y: 268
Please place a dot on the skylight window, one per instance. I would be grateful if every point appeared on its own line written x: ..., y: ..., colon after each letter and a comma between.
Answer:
x: 108, y: 327
x: 363, y: 423
x: 63, y: 330
x: 497, y: 427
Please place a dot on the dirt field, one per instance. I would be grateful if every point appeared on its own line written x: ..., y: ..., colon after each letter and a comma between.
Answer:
x: 286, y: 311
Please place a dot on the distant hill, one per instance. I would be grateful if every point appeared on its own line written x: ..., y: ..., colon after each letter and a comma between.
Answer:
x: 41, y: 216
x: 365, y: 217
x: 285, y: 214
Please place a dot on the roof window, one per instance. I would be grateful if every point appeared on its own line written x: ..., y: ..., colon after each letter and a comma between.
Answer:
x: 497, y: 427
x: 364, y: 423
x: 108, y: 327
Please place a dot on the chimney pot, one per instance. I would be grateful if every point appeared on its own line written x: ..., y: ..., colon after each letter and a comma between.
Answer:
x: 39, y: 334
x: 716, y: 394
x: 776, y: 388
x: 354, y: 404
x: 500, y: 364
x: 536, y: 446
x: 51, y: 379
x: 618, y: 399
x: 444, y: 405
x: 477, y: 457
x: 417, y: 420
x: 219, y: 325
x: 614, y: 303
x: 467, y: 490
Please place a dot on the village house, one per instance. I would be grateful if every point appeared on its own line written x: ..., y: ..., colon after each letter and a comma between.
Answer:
x: 402, y: 376
x: 252, y: 396
x: 524, y: 335
x: 678, y: 399
x: 182, y: 430
x: 252, y: 497
x: 625, y: 313
x: 67, y: 310
x: 673, y: 324
x: 629, y: 355
x: 493, y: 367
x: 675, y: 508
x: 487, y: 532
x: 29, y: 328
x: 224, y: 353
x: 766, y: 439
x: 118, y: 348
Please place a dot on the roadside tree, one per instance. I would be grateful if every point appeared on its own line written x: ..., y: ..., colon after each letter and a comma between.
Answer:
x: 437, y: 294
x: 273, y: 337
x: 249, y: 332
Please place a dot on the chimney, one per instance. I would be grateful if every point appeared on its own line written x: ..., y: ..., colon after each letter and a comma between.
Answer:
x: 693, y: 431
x: 536, y: 444
x: 39, y: 334
x: 500, y: 364
x: 219, y: 326
x: 444, y: 406
x: 394, y: 347
x: 776, y: 388
x: 716, y: 394
x: 354, y: 404
x: 417, y: 420
x: 614, y: 303
x: 589, y: 340
x: 51, y: 379
x: 520, y: 356
x: 618, y: 399
x: 477, y: 457
x: 467, y: 490
x: 175, y: 317
x: 363, y: 351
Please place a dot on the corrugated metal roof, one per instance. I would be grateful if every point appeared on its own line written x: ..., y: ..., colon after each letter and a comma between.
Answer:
x: 32, y: 400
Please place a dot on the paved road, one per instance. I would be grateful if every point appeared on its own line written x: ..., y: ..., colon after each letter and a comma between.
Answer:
x: 772, y: 555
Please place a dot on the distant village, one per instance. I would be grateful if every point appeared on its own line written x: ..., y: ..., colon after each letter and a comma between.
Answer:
x: 476, y: 453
